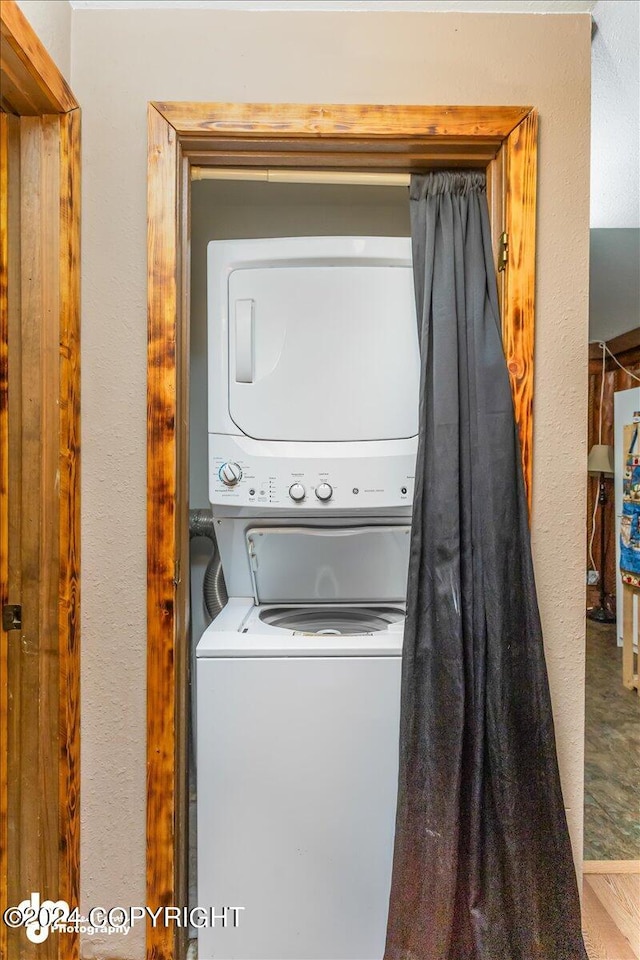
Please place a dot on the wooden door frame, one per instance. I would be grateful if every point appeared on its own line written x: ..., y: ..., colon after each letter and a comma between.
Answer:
x: 502, y: 140
x: 39, y: 482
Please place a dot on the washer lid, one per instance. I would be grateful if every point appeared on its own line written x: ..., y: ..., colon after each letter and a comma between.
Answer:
x: 329, y: 564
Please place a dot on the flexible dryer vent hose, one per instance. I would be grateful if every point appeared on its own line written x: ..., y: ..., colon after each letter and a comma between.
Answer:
x: 201, y: 524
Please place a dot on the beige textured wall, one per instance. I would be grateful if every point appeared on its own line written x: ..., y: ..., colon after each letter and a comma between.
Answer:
x: 122, y: 60
x: 51, y: 20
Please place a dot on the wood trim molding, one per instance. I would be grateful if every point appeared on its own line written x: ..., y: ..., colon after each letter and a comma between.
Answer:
x: 342, y: 136
x: 32, y: 85
x: 404, y: 138
x: 362, y: 121
x: 69, y: 485
x: 610, y: 866
x: 518, y: 294
x: 162, y: 546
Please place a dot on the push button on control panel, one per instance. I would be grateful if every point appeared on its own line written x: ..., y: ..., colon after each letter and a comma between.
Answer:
x: 324, y: 491
x: 297, y: 492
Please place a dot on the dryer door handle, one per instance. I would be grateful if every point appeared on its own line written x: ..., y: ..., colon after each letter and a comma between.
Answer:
x: 244, y: 341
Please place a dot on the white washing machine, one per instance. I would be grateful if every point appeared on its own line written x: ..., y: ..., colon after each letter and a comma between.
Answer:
x: 298, y: 713
x: 312, y: 448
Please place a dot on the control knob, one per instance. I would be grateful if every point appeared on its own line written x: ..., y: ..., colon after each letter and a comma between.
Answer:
x: 297, y: 492
x: 230, y: 473
x: 324, y: 491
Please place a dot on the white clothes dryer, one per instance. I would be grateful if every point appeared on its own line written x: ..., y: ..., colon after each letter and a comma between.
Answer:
x: 313, y: 376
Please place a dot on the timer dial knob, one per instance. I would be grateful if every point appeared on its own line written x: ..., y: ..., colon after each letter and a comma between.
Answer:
x: 297, y: 492
x: 324, y: 491
x: 230, y: 473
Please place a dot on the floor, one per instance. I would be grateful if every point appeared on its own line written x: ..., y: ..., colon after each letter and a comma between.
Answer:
x: 611, y: 914
x: 612, y: 753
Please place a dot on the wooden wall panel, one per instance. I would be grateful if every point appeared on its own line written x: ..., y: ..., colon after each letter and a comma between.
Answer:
x: 32, y: 721
x: 11, y: 507
x: 625, y: 349
x: 47, y: 573
x: 25, y: 681
x: 518, y: 294
x: 39, y: 504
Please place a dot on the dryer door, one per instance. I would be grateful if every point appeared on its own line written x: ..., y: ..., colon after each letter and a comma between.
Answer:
x: 324, y: 349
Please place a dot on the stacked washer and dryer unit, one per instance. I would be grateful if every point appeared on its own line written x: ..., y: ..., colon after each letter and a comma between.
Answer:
x: 313, y: 387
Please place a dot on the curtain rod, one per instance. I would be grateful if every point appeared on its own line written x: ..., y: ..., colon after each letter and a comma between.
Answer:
x: 345, y: 177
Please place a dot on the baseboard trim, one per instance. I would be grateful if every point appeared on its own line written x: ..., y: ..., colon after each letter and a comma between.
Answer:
x: 611, y: 866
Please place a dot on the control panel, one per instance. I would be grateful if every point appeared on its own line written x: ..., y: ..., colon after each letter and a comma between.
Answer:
x: 256, y: 479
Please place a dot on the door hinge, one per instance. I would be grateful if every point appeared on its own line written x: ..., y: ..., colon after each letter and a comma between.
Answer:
x: 503, y: 251
x: 12, y: 616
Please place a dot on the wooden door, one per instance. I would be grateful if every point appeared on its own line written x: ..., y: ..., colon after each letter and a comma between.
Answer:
x: 39, y: 485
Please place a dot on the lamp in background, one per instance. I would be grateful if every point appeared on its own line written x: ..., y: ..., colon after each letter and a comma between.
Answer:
x: 600, y: 463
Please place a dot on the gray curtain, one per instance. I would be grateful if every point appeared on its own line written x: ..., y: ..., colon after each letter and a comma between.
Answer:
x: 482, y: 865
